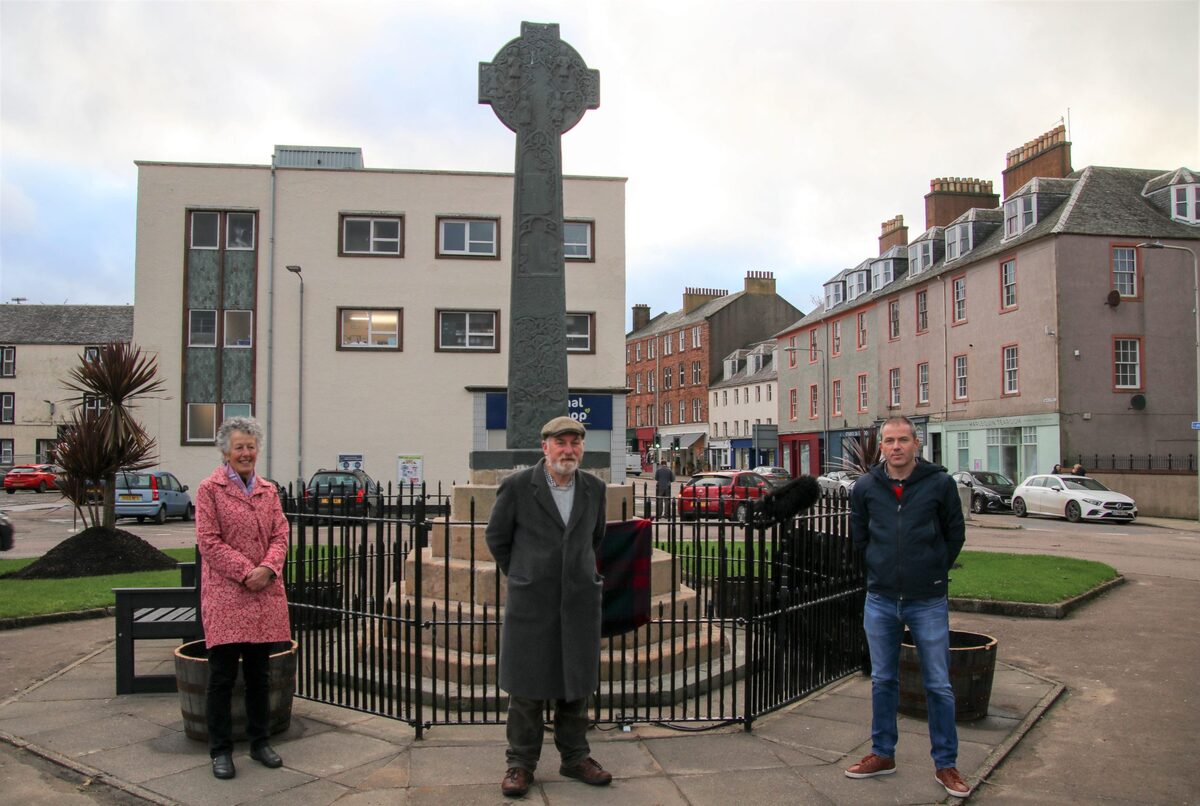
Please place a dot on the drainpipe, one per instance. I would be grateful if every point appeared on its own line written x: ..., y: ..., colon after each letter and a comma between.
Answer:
x: 271, y: 328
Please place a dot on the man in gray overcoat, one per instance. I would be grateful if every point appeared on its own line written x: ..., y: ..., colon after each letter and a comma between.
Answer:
x: 544, y: 530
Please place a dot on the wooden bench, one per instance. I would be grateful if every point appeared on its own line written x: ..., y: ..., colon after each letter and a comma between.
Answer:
x: 144, y: 613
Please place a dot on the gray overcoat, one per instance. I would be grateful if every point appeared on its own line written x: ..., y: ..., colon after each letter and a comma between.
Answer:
x: 550, y: 641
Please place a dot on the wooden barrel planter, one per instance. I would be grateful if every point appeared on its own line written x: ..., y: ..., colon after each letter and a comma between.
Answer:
x: 972, y: 665
x: 191, y: 677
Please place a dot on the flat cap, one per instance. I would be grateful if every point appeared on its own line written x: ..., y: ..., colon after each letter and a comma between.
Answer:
x: 562, y: 425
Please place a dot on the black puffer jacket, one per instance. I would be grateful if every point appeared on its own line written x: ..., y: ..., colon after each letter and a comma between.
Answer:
x: 910, y: 544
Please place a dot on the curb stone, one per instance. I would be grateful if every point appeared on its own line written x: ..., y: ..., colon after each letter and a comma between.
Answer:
x: 1029, y: 610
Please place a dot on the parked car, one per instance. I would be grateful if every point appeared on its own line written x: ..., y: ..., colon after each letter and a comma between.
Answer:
x: 342, y: 492
x: 154, y: 494
x: 31, y: 477
x: 837, y: 483
x: 726, y: 494
x: 1072, y: 497
x: 778, y: 476
x: 990, y: 492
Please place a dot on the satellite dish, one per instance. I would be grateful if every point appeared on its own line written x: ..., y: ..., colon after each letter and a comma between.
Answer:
x: 1113, y: 299
x: 1137, y: 402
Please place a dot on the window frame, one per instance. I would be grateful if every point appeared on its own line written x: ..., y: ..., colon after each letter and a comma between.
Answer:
x: 697, y: 410
x: 923, y: 384
x: 1191, y: 203
x: 191, y: 330
x: 441, y: 252
x: 1013, y: 389
x: 8, y: 361
x: 955, y: 241
x: 589, y: 245
x: 836, y: 395
x: 372, y: 219
x: 961, y: 378
x: 924, y: 256
x: 835, y: 337
x: 438, y: 347
x: 1136, y: 274
x: 225, y: 329
x: 857, y: 284
x: 8, y: 408
x: 697, y: 335
x: 1005, y: 305
x: 958, y: 307
x: 7, y: 450
x: 894, y: 320
x: 921, y: 303
x: 188, y: 439
x: 862, y: 393
x: 590, y: 348
x: 216, y: 245
x: 813, y: 350
x: 340, y: 343
x: 697, y: 373
x: 894, y: 387
x: 1139, y: 365
x: 793, y: 404
x: 813, y: 404
x: 1020, y: 214
x: 229, y: 247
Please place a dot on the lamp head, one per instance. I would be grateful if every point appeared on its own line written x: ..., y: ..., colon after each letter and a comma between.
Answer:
x: 294, y: 269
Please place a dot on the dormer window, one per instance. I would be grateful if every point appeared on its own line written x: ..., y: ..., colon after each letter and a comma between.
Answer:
x: 1185, y: 203
x: 920, y: 256
x: 857, y: 283
x: 882, y: 273
x: 958, y: 241
x: 834, y: 294
x: 1019, y: 215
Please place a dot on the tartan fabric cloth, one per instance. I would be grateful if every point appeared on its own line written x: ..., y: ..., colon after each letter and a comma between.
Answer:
x: 624, y: 562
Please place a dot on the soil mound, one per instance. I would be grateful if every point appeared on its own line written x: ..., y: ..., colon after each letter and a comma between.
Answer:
x: 94, y: 552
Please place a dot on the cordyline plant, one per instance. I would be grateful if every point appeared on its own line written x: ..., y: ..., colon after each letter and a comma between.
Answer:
x: 861, y: 452
x: 96, y: 445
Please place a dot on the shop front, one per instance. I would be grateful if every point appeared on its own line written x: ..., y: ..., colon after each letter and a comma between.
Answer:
x: 1017, y: 447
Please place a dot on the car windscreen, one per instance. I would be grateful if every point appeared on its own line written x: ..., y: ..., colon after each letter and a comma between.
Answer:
x: 334, y: 480
x: 1084, y: 484
x: 133, y: 481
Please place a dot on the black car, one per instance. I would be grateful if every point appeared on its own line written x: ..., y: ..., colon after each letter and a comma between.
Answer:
x: 342, y: 492
x: 990, y: 492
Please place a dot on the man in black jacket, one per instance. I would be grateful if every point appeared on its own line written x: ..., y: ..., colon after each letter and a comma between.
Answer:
x: 906, y: 515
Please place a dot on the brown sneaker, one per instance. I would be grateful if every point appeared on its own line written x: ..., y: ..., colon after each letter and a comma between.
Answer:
x: 589, y: 771
x: 516, y: 782
x: 870, y: 766
x: 954, y: 783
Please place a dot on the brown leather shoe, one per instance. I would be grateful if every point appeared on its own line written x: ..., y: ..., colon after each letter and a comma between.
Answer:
x: 589, y: 771
x: 952, y: 781
x: 516, y: 782
x: 870, y: 766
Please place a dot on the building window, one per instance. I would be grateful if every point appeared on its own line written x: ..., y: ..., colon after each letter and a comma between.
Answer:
x: 857, y: 283
x: 363, y: 235
x: 882, y: 272
x: 239, y: 328
x: 201, y: 422
x: 725, y: 397
x: 202, y: 328
x: 894, y: 387
x: 637, y: 351
x: 863, y: 400
x: 6, y: 451
x: 793, y: 404
x: 737, y: 396
x: 668, y: 344
x: 94, y: 405
x: 834, y: 293
x: 469, y: 330
x: 920, y: 257
x: 8, y: 362
x: 958, y: 241
x: 812, y: 402
x: 682, y: 341
x: 922, y: 384
x: 758, y: 394
x: 580, y: 327
x: 696, y: 410
x: 922, y: 311
x: 1008, y: 284
x: 91, y: 354
x: 791, y: 351
x: 637, y: 380
x: 1019, y: 215
x: 239, y: 231
x: 235, y: 410
x: 205, y: 230
x: 461, y: 237
x: 836, y: 406
x: 960, y: 300
x: 667, y: 376
x: 682, y: 375
x: 696, y: 337
x: 360, y: 328
x: 812, y: 346
x: 651, y: 347
x: 960, y: 377
x: 651, y: 378
x: 1127, y: 363
x: 1185, y: 204
x: 696, y: 373
x: 7, y: 407
x: 836, y: 329
x: 964, y: 451
x: 894, y: 320
x: 666, y: 417
x: 1010, y: 370
x: 577, y: 240
x: 768, y: 393
x: 862, y: 330
x: 1124, y: 268
x: 683, y: 411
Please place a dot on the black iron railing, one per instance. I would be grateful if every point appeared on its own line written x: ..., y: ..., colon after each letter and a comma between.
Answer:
x: 1183, y: 463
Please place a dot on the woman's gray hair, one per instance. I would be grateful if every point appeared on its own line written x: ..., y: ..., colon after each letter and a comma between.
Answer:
x: 246, y: 425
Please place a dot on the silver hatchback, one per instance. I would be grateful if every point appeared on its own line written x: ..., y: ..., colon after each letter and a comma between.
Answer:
x: 153, y: 494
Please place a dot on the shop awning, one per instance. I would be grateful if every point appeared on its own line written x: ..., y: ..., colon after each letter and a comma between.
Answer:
x: 689, y: 439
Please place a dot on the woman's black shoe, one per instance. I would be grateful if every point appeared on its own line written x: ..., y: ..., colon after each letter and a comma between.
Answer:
x: 266, y: 755
x: 223, y: 766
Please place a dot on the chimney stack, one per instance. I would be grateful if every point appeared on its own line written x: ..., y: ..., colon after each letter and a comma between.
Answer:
x: 893, y: 233
x: 951, y: 196
x: 693, y: 298
x: 1048, y: 156
x: 641, y: 316
x: 760, y: 282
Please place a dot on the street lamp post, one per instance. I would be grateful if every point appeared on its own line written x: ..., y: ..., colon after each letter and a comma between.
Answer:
x: 296, y: 270
x: 1196, y: 312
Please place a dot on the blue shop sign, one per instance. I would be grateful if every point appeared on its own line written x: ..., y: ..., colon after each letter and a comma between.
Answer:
x: 594, y: 411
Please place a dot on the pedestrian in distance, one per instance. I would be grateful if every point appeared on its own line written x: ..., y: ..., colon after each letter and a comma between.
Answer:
x: 663, y: 477
x: 1078, y: 470
x: 1054, y: 471
x: 243, y: 539
x: 543, y: 532
x: 906, y: 515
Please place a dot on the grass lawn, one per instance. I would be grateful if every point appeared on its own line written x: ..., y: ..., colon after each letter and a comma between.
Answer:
x: 31, y: 597
x: 1036, y: 578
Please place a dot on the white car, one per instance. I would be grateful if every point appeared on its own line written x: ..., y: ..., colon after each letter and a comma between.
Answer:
x: 1072, y: 497
x: 837, y: 483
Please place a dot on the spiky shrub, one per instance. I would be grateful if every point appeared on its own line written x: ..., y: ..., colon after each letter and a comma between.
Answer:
x: 861, y: 452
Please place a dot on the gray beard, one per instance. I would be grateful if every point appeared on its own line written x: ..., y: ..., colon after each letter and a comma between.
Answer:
x: 563, y: 468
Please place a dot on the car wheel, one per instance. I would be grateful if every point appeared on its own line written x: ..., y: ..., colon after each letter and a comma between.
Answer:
x: 1073, y: 513
x: 977, y: 505
x: 189, y: 513
x: 141, y: 519
x: 41, y: 488
x: 1019, y: 507
x: 687, y: 516
x: 161, y: 515
x: 10, y: 490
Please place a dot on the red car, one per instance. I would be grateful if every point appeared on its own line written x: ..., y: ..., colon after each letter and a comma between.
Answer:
x: 31, y: 477
x: 726, y: 494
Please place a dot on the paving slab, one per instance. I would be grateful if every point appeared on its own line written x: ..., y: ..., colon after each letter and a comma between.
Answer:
x: 332, y: 752
x: 692, y: 755
x: 384, y: 773
x: 253, y: 783
x: 760, y: 787
x: 158, y: 757
x: 659, y: 791
x: 455, y: 766
x: 83, y: 738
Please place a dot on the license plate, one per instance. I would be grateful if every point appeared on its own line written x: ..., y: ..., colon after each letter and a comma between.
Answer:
x: 334, y: 501
x: 131, y: 498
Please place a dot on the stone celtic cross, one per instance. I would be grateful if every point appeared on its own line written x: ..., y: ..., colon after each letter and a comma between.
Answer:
x: 539, y: 87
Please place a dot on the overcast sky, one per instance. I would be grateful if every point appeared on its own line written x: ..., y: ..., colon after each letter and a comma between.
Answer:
x: 755, y: 135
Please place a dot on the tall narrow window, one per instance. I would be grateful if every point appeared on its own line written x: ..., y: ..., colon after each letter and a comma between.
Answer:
x: 1008, y: 284
x: 922, y: 311
x: 960, y: 299
x: 1127, y: 363
x: 8, y: 362
x: 696, y: 337
x: 960, y: 377
x: 862, y: 330
x: 836, y: 405
x: 836, y: 340
x: 1010, y: 370
x: 894, y: 319
x: 812, y: 402
x: 201, y: 422
x: 864, y: 401
x: 1124, y: 268
x: 812, y: 346
x: 791, y: 351
x: 793, y: 403
x: 239, y: 328
x: 922, y: 384
x: 683, y: 411
x: 696, y: 410
x: 8, y: 407
x: 894, y: 387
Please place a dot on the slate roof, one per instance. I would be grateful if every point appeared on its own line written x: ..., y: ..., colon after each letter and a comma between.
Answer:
x: 674, y: 319
x: 65, y: 324
x: 744, y: 375
x: 1099, y: 201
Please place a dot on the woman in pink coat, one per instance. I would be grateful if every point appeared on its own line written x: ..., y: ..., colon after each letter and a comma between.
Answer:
x: 243, y: 540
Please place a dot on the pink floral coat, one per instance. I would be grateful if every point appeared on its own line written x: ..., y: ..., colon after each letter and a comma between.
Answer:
x: 237, y: 533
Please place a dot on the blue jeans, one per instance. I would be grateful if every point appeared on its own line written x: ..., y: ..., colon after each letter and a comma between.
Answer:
x: 884, y: 620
